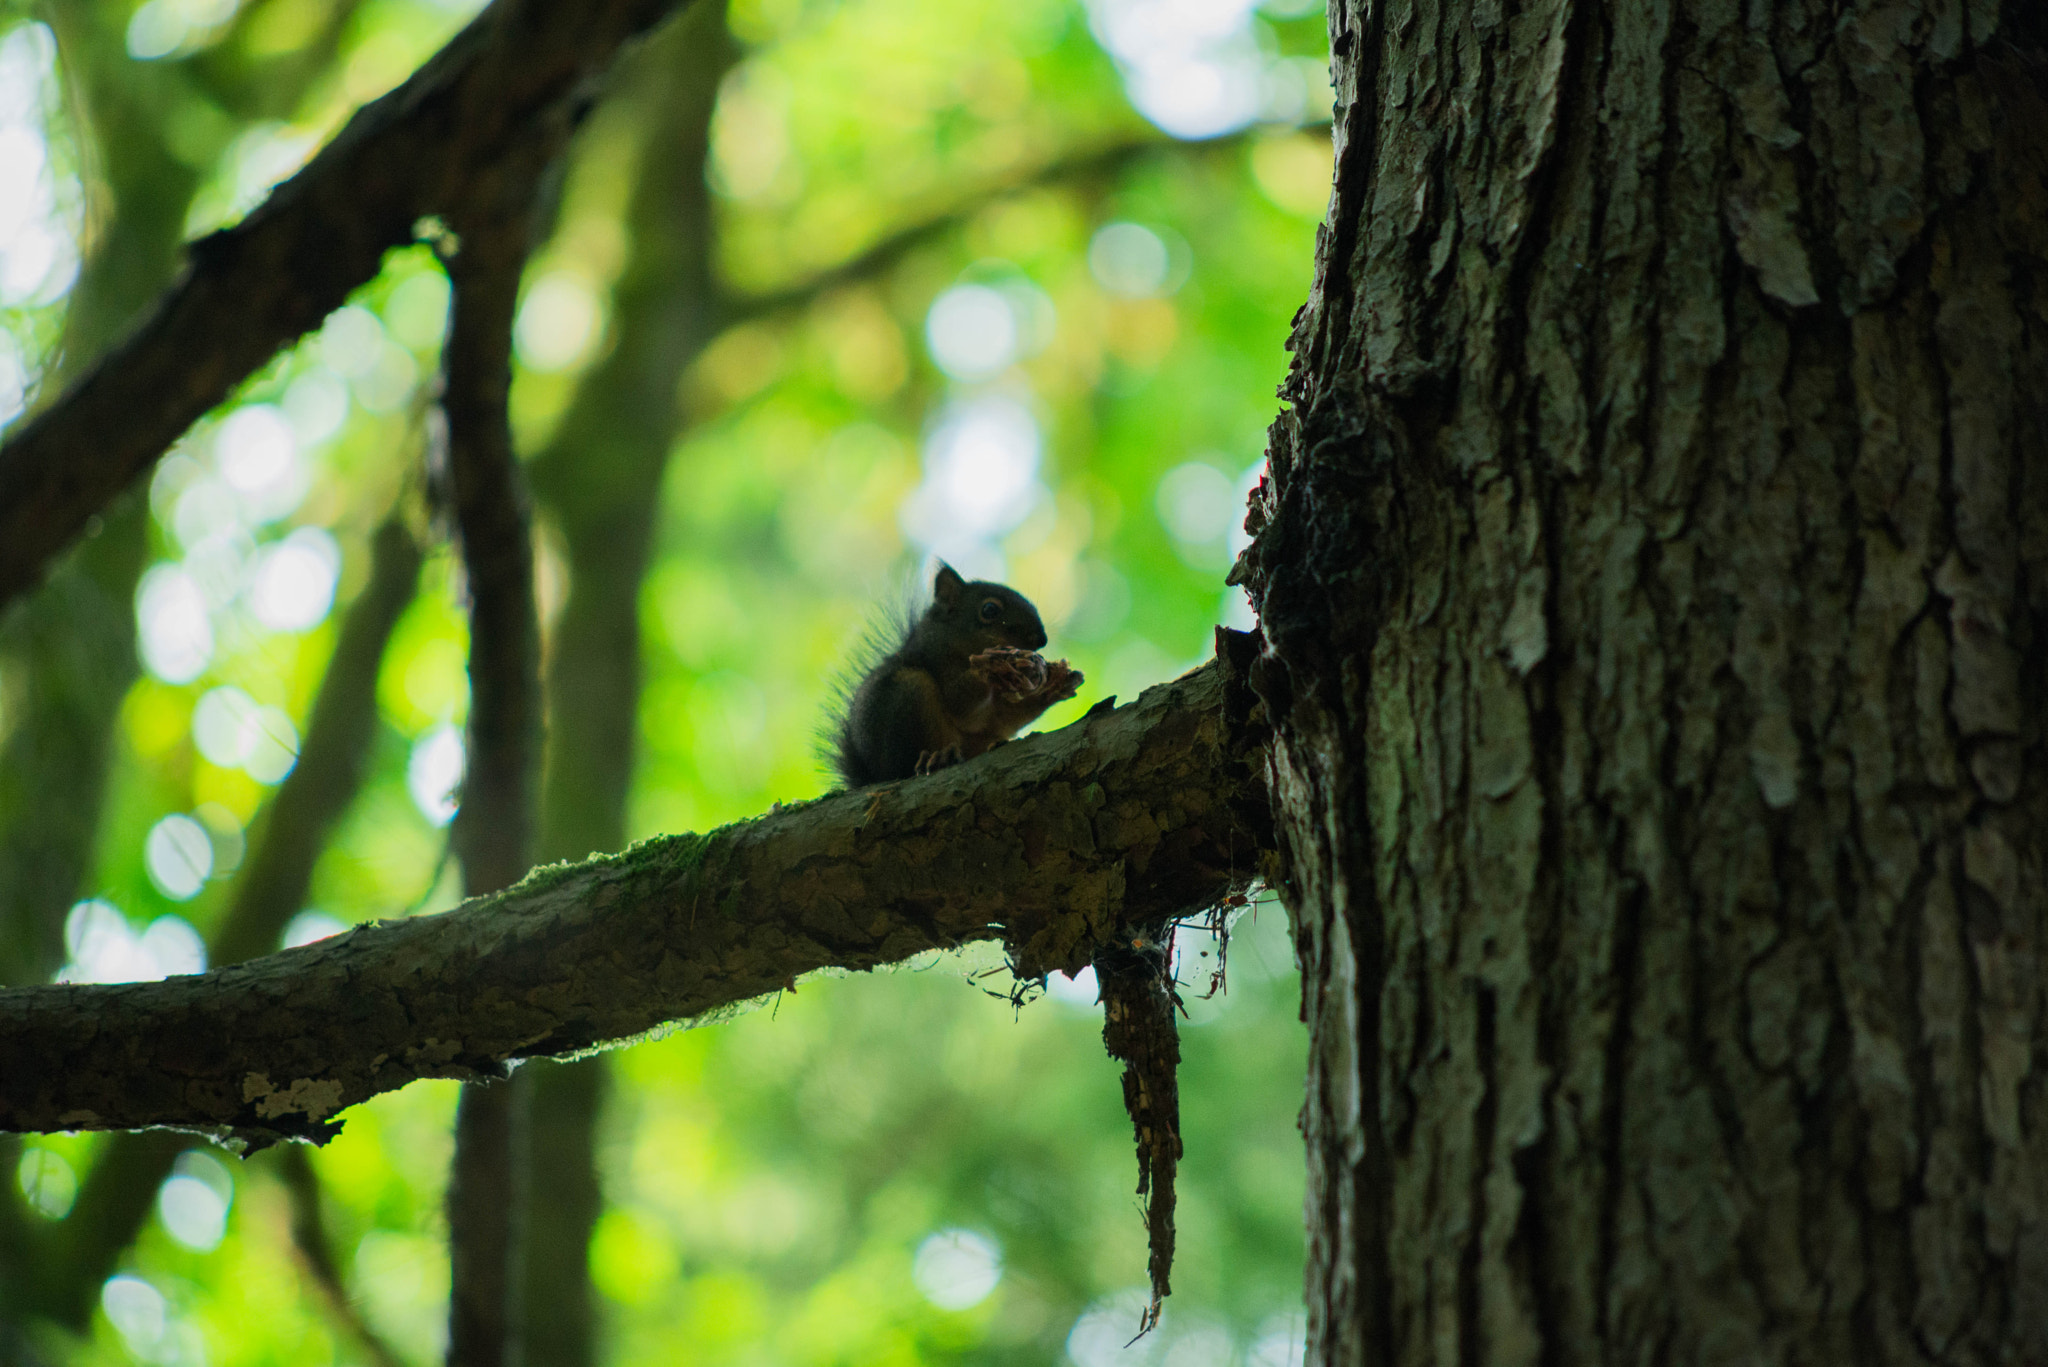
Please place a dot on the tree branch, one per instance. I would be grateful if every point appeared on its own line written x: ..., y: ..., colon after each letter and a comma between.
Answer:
x: 1048, y: 844
x: 521, y: 70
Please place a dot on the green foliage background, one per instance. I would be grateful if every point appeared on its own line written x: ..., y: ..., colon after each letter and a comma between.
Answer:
x: 768, y: 1180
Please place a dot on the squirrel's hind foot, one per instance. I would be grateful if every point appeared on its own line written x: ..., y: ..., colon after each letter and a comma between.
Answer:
x: 931, y: 761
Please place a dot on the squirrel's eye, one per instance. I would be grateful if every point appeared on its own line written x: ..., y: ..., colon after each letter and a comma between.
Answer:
x: 990, y: 609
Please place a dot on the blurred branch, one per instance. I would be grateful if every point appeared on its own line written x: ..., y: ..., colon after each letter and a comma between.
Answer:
x: 521, y: 72
x: 493, y: 828
x: 563, y: 1198
x: 1092, y: 164
x: 332, y: 758
x: 316, y: 1254
x: 494, y: 825
x: 72, y: 654
x: 1049, y: 844
x: 484, y: 1225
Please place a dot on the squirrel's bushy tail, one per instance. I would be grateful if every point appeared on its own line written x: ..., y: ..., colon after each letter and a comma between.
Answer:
x: 885, y: 632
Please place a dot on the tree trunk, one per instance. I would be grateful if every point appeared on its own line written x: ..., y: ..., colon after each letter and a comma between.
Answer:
x: 1653, y: 580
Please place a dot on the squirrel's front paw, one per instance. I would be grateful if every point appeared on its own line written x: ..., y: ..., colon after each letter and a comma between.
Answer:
x: 1009, y: 672
x: 931, y: 761
x: 1062, y: 681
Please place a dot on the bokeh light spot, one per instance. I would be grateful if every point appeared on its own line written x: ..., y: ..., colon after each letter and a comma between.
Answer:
x: 981, y: 478
x: 630, y: 1260
x: 1129, y: 259
x: 294, y: 580
x: 1101, y: 1337
x: 23, y: 158
x: 13, y: 377
x: 1081, y: 992
x: 1282, y: 1342
x: 1200, y: 1345
x: 274, y: 750
x: 308, y: 926
x: 99, y: 944
x: 1193, y: 67
x: 434, y: 772
x: 351, y: 340
x: 234, y: 731
x: 257, y: 453
x: 103, y: 948
x: 173, y: 946
x: 171, y: 620
x: 229, y: 844
x: 179, y: 856
x: 1294, y: 172
x: 1196, y: 501
x: 417, y: 311
x: 47, y: 1182
x: 223, y: 723
x: 138, y: 1313
x: 316, y: 404
x: 387, y: 384
x: 193, y: 1203
x: 559, y: 322
x: 972, y: 332
x: 957, y: 1268
x: 165, y: 28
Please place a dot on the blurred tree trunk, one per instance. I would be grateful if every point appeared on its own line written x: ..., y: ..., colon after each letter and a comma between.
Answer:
x: 600, y: 481
x: 492, y: 833
x: 70, y: 651
x: 67, y: 656
x: 1655, y: 580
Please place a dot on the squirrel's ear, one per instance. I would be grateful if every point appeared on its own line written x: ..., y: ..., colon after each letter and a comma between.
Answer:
x: 948, y: 586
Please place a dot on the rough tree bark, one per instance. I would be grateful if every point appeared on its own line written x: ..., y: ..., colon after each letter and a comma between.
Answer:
x: 1653, y: 576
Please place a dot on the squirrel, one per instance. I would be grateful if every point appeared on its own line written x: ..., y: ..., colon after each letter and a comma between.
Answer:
x: 960, y: 679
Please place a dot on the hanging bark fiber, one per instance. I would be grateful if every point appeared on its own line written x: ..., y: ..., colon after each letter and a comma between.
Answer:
x: 1135, y: 976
